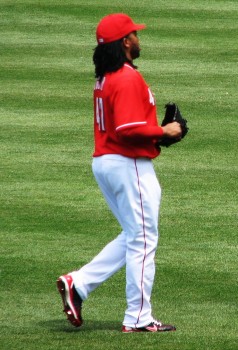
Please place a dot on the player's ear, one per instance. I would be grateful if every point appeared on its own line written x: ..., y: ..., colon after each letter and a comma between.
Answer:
x: 126, y: 42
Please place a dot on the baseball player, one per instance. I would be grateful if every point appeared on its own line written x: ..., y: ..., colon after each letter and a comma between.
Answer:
x: 125, y: 130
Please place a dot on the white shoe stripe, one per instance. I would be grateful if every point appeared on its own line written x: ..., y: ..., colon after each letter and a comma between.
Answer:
x: 67, y: 297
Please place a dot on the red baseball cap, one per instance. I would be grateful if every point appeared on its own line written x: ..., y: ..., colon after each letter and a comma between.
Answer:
x: 114, y: 27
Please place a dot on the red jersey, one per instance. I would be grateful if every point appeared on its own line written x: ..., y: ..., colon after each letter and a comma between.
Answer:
x: 123, y: 100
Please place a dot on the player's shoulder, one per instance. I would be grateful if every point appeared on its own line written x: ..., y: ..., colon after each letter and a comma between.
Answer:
x: 126, y: 74
x: 130, y: 71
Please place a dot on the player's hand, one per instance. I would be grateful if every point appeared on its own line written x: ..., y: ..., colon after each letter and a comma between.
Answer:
x: 172, y: 130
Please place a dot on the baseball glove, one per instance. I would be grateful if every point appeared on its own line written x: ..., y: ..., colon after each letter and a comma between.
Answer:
x: 172, y: 114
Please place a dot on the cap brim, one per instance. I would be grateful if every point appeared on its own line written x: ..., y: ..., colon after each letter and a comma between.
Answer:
x: 140, y: 26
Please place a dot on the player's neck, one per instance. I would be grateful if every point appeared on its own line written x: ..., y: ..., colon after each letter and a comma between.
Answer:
x: 130, y: 62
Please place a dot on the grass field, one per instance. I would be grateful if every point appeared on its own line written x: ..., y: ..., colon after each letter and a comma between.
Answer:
x: 53, y: 217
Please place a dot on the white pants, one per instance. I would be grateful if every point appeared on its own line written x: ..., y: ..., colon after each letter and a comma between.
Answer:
x: 133, y: 193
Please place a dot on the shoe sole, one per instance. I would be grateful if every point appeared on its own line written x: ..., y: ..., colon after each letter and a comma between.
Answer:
x: 167, y: 330
x: 71, y: 313
x: 148, y: 330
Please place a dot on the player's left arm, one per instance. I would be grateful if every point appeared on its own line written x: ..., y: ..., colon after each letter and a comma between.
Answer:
x: 138, y: 132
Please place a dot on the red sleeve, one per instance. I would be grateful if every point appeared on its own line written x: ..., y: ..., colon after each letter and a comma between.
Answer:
x: 128, y: 103
x: 144, y: 131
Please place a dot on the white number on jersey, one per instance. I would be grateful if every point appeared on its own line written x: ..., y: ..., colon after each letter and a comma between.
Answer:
x: 152, y: 99
x: 100, y: 114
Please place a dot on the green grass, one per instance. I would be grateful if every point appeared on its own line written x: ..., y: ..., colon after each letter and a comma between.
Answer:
x: 53, y: 217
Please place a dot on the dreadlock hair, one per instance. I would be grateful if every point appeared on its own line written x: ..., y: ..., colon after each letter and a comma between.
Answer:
x: 108, y: 58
